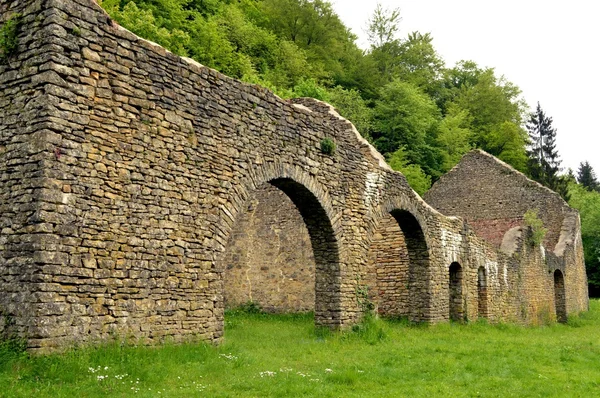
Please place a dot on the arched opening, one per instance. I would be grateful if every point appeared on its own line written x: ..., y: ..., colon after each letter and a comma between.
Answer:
x: 482, y: 296
x: 455, y: 292
x: 282, y: 254
x: 397, y: 267
x: 559, y: 297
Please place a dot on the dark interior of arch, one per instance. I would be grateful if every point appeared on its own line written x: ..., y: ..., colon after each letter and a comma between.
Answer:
x: 282, y: 254
x: 418, y: 255
x: 455, y: 298
x: 398, y: 263
x: 559, y: 297
x: 325, y: 250
x: 482, y: 297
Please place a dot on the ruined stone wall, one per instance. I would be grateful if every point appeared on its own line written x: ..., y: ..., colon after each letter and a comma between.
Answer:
x: 126, y: 171
x: 150, y: 159
x: 493, y: 197
x: 268, y: 259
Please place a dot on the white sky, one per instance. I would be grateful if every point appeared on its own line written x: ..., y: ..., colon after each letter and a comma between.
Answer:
x: 550, y: 49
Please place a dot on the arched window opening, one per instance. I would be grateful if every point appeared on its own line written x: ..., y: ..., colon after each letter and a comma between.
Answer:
x: 559, y: 297
x: 455, y: 292
x: 482, y: 297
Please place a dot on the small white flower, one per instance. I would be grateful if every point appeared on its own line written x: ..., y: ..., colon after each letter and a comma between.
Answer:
x: 328, y: 370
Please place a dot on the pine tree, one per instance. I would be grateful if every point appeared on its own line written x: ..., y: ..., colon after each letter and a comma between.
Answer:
x: 587, y: 177
x: 544, y: 161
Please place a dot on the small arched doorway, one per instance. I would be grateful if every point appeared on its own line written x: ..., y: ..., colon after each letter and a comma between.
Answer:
x: 559, y: 297
x: 482, y: 296
x: 455, y: 292
x: 397, y: 268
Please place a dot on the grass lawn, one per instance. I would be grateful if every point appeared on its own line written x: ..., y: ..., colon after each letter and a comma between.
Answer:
x: 284, y: 356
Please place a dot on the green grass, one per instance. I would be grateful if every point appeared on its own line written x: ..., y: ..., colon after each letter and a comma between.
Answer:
x: 377, y: 359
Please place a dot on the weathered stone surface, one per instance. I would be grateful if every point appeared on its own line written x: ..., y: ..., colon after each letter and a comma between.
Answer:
x: 493, y: 198
x: 126, y: 176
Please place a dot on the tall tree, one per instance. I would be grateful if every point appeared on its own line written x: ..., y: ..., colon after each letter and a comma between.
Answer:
x: 491, y: 110
x: 587, y: 177
x: 383, y: 25
x: 544, y: 161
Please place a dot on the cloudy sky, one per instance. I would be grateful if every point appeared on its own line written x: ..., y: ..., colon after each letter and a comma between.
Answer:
x: 550, y: 49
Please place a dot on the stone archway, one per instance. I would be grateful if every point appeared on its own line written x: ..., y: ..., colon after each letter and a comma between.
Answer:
x: 269, y: 259
x: 559, y: 297
x: 312, y: 278
x: 455, y: 298
x: 397, y: 265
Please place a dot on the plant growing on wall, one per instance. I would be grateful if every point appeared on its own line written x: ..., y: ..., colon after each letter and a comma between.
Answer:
x: 535, y: 226
x: 327, y: 146
x: 8, y: 36
x: 362, y: 297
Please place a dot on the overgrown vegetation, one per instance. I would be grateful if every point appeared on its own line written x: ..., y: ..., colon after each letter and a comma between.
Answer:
x: 535, y: 227
x: 327, y: 146
x: 9, y: 36
x: 283, y: 355
x: 588, y: 203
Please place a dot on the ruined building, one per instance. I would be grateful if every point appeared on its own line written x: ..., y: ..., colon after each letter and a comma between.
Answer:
x: 141, y: 193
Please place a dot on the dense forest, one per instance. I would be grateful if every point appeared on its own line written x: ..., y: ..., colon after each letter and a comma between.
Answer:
x: 420, y: 113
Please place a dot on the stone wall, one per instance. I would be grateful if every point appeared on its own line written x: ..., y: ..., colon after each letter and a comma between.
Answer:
x: 127, y: 170
x: 493, y: 198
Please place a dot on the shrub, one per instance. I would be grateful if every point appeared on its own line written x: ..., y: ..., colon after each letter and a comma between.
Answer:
x: 8, y: 36
x: 535, y: 226
x: 327, y: 146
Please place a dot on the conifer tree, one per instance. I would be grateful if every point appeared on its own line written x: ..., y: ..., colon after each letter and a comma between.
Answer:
x: 544, y: 161
x: 587, y: 177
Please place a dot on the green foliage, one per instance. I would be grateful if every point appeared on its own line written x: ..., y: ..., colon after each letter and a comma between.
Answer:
x: 535, y: 225
x: 353, y: 107
x: 454, y: 137
x: 416, y: 177
x: 587, y: 177
x: 363, y: 301
x: 249, y: 307
x: 370, y: 329
x: 404, y: 116
x: 383, y: 25
x: 507, y: 142
x: 9, y: 36
x: 544, y: 161
x: 142, y: 22
x: 588, y: 204
x: 419, y: 63
x: 12, y: 346
x: 310, y: 88
x: 327, y: 146
x: 491, y: 109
